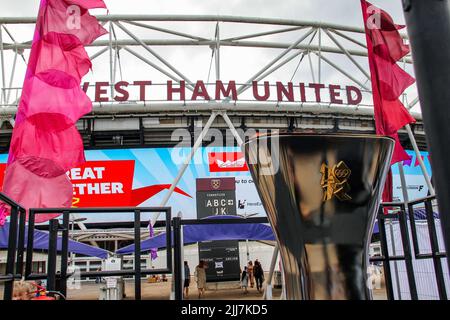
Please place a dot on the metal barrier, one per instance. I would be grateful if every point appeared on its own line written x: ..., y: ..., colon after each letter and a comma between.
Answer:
x: 177, y: 223
x: 16, y: 237
x: 403, y: 215
x: 16, y: 243
x: 51, y: 275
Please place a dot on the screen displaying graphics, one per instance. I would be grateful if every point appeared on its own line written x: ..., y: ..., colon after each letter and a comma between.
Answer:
x: 217, y: 197
x: 142, y: 177
x: 417, y: 187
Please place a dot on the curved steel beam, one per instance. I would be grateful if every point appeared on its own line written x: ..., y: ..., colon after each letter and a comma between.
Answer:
x: 222, y: 43
x: 204, y: 18
x: 139, y: 108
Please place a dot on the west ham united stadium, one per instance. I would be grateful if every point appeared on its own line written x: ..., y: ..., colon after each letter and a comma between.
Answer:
x: 250, y: 150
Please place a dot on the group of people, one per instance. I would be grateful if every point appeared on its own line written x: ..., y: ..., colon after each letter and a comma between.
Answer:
x: 252, y: 273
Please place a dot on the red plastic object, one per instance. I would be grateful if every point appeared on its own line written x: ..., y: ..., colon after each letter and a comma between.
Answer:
x: 43, y: 298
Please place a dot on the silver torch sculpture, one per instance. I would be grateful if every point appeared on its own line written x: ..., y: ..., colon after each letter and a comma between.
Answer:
x: 321, y: 194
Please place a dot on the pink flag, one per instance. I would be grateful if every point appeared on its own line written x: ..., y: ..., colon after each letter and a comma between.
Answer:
x: 385, y: 47
x: 45, y: 141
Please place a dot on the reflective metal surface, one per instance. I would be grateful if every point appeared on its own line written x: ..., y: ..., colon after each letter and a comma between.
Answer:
x: 321, y: 194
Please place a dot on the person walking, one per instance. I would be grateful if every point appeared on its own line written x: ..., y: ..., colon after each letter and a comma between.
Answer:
x: 259, y: 275
x: 187, y: 279
x: 200, y: 274
x: 98, y: 279
x: 251, y: 278
x: 244, y: 280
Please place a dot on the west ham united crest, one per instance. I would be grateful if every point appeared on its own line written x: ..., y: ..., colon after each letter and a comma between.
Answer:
x: 215, y: 184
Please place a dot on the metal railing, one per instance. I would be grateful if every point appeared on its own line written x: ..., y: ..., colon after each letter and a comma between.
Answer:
x: 54, y: 227
x: 16, y: 238
x: 177, y: 223
x: 404, y: 213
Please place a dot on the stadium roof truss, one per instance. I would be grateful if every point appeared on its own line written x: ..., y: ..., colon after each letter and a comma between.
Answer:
x: 290, y: 51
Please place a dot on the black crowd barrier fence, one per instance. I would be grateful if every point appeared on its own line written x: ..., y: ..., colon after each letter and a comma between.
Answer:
x: 54, y: 227
x: 177, y: 223
x: 16, y: 237
x: 403, y: 213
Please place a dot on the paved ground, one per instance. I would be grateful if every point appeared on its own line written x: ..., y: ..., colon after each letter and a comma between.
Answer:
x: 161, y: 291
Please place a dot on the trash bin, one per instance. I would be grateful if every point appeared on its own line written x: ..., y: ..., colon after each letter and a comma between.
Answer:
x: 277, y: 280
x: 114, y: 287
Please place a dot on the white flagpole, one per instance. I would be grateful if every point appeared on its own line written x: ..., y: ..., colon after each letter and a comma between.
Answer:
x: 420, y: 160
x: 416, y: 148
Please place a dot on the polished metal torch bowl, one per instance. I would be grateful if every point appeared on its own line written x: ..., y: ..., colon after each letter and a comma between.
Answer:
x: 321, y: 194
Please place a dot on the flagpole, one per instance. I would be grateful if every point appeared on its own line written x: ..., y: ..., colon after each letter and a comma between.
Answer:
x: 420, y: 160
x: 417, y: 152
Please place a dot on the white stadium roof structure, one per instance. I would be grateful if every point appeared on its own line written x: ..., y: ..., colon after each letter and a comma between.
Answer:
x: 161, y: 48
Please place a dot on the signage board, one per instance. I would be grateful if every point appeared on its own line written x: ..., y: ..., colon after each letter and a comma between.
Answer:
x: 146, y: 90
x: 215, y: 197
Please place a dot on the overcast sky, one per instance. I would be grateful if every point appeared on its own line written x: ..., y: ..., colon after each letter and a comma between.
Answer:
x: 237, y: 64
x: 338, y: 11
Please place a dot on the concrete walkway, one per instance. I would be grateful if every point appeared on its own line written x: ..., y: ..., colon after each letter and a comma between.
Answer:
x: 161, y: 291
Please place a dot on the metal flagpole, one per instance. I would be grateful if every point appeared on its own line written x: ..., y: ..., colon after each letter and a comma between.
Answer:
x: 416, y: 151
x: 419, y: 159
x: 403, y: 183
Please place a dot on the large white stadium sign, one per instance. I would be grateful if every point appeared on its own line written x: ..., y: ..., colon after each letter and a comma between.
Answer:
x: 143, y: 90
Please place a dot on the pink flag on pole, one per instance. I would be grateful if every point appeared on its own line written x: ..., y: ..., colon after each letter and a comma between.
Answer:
x: 45, y: 141
x: 385, y: 47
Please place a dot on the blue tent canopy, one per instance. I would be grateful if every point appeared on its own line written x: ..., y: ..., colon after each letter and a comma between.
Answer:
x: 41, y: 243
x: 209, y: 232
